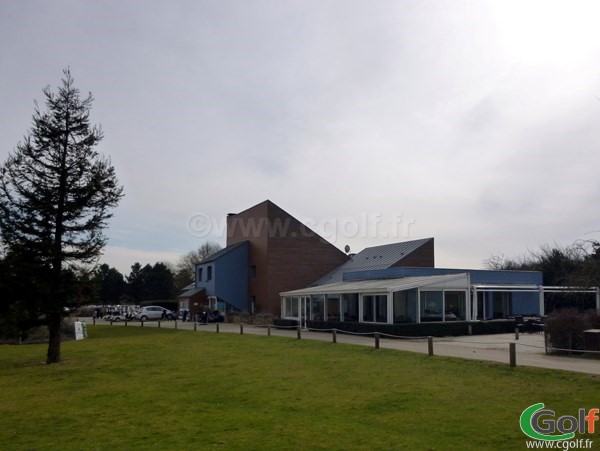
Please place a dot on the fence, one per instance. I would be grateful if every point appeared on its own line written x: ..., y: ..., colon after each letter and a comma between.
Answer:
x: 377, y: 337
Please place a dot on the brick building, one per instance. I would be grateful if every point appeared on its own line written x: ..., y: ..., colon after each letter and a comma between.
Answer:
x: 268, y: 251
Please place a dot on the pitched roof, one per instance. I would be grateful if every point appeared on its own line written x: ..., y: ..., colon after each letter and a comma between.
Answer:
x: 384, y: 285
x: 376, y: 257
x: 222, y: 252
x: 190, y: 293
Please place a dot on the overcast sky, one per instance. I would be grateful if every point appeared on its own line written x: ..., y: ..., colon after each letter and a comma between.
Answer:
x: 474, y: 122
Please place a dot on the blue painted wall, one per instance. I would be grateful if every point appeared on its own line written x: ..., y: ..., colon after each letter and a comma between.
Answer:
x: 229, y: 280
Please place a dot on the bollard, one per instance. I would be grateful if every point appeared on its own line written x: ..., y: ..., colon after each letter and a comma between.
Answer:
x: 430, y: 345
x: 125, y: 323
x: 241, y: 329
x: 142, y: 323
x: 111, y: 321
x: 175, y: 324
x: 269, y: 330
x: 195, y: 326
x: 94, y: 320
x: 217, y: 327
x: 334, y: 335
x: 376, y: 340
x: 159, y: 324
x: 299, y: 332
x: 517, y: 333
x: 513, y: 354
x: 469, y: 329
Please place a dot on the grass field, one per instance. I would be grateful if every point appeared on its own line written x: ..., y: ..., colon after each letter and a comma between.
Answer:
x: 147, y: 388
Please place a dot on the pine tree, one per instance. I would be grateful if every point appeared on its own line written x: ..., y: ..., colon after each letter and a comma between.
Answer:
x: 56, y: 196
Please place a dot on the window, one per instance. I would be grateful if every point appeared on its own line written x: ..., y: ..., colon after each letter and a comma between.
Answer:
x: 208, y: 273
x: 374, y: 308
x: 333, y: 307
x: 350, y: 307
x: 291, y: 307
x: 454, y: 305
x: 200, y: 274
x: 317, y: 307
x: 502, y: 304
x: 432, y: 306
x: 405, y: 306
x: 443, y: 305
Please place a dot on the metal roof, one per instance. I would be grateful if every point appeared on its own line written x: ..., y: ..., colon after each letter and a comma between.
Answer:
x: 222, y: 252
x: 382, y: 285
x: 372, y: 258
x: 190, y: 293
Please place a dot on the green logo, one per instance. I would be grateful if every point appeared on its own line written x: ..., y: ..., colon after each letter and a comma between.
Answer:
x: 539, y: 423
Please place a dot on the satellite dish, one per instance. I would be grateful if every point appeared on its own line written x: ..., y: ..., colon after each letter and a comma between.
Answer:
x: 347, y: 249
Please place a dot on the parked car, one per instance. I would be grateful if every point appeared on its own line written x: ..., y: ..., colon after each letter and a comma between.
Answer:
x: 154, y: 312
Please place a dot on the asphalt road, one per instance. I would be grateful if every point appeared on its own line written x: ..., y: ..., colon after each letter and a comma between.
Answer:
x: 530, y: 350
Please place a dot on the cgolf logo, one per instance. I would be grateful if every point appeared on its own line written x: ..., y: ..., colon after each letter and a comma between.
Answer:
x: 540, y: 424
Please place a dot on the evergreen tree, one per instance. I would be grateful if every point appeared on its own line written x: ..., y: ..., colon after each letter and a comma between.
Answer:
x: 56, y: 196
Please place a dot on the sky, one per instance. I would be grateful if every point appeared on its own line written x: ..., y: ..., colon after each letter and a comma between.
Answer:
x: 473, y: 122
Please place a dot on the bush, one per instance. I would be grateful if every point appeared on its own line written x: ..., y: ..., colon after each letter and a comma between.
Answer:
x: 565, y: 328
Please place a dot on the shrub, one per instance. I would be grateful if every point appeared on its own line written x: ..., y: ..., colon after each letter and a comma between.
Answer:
x: 565, y: 328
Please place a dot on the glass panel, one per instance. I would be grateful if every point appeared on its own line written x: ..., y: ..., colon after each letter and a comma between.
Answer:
x: 405, y: 306
x: 333, y: 307
x: 317, y: 307
x: 367, y: 308
x: 432, y: 305
x: 502, y: 304
x: 291, y: 307
x: 350, y: 306
x: 381, y: 308
x: 455, y: 305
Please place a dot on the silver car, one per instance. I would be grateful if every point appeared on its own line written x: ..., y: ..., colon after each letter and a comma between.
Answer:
x: 153, y: 312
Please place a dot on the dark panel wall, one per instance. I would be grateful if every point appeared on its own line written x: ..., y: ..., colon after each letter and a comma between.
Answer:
x: 421, y: 257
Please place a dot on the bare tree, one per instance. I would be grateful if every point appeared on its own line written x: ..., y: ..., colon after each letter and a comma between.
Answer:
x: 186, y: 266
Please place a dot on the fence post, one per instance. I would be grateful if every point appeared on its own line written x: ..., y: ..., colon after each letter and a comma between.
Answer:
x: 430, y: 345
x: 545, y: 341
x: 142, y: 323
x: 125, y: 323
x: 94, y: 318
x: 334, y: 335
x: 299, y: 332
x: 513, y: 354
x: 217, y: 327
x: 517, y: 333
x: 269, y: 330
x: 111, y: 321
x: 376, y: 340
x: 159, y: 324
x: 175, y: 324
x: 241, y: 328
x: 195, y: 326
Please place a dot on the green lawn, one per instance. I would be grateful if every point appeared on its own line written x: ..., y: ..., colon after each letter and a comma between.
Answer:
x: 148, y: 388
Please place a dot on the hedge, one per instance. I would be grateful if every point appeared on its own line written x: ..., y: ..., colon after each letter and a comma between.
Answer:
x: 435, y: 329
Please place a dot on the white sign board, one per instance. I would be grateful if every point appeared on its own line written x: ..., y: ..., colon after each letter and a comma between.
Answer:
x: 80, y: 330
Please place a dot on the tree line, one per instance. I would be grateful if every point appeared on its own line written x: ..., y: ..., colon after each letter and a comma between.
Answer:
x: 146, y: 283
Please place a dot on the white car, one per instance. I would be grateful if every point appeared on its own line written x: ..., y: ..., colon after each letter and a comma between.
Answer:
x: 154, y: 312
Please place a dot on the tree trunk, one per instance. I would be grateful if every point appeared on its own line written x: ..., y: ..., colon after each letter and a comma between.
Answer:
x: 54, y: 328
